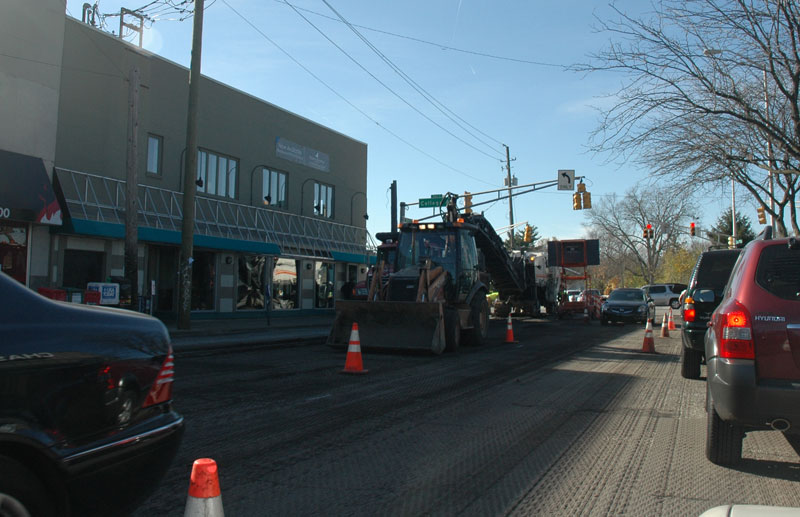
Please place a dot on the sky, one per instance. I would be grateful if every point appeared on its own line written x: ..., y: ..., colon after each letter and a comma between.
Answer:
x: 498, y: 70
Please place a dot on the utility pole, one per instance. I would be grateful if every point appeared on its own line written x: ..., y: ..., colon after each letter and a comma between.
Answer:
x: 394, y: 206
x: 510, y: 204
x: 131, y: 191
x: 189, y: 182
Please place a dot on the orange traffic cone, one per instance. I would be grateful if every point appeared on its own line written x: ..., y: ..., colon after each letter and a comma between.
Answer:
x: 353, y: 362
x: 664, y: 326
x: 671, y: 322
x: 205, y: 499
x: 649, y: 344
x: 510, y: 332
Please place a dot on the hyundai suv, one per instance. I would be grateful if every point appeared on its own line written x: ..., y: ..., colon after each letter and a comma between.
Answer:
x: 753, y: 350
x: 710, y: 274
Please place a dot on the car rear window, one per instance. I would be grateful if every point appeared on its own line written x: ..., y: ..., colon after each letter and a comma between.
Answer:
x: 714, y: 270
x: 778, y: 271
x: 658, y: 289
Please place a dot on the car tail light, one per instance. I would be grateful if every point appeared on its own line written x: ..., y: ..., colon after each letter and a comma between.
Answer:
x: 161, y: 391
x: 689, y: 312
x: 737, y: 335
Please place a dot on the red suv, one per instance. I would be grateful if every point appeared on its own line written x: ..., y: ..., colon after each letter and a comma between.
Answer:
x: 753, y: 350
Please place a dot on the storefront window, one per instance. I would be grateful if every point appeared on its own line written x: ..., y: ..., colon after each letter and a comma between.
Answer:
x: 204, y: 280
x: 323, y: 285
x: 82, y: 267
x: 252, y: 281
x: 14, y: 251
x: 284, y: 284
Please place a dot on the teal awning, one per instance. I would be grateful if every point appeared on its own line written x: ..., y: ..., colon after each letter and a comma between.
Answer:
x: 147, y: 234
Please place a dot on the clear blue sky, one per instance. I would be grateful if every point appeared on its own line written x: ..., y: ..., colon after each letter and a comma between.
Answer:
x: 523, y: 97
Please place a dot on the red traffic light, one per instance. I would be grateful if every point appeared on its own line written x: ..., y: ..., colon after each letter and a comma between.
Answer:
x: 691, y: 229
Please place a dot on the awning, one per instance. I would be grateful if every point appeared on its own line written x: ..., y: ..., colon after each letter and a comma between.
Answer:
x: 26, y: 193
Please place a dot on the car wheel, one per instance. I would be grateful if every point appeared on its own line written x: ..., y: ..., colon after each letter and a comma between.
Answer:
x: 723, y: 439
x: 452, y: 331
x: 22, y: 493
x: 690, y: 363
x: 480, y: 321
x: 675, y: 303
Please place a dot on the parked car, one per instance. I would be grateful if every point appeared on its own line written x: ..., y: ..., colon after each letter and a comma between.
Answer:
x: 710, y: 273
x: 753, y: 350
x: 573, y: 294
x: 665, y: 294
x: 86, y: 419
x: 627, y: 305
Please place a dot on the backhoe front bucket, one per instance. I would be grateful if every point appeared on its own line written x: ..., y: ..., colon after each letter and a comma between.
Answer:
x: 390, y: 325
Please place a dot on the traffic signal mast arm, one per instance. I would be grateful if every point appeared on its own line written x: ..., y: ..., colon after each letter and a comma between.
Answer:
x: 532, y: 187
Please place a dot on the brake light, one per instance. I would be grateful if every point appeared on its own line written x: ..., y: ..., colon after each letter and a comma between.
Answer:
x: 689, y: 312
x: 737, y: 336
x: 161, y: 391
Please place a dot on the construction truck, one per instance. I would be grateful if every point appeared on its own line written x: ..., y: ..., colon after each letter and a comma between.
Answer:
x: 436, y: 297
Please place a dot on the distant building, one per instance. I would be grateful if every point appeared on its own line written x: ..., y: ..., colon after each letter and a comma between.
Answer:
x: 280, y: 200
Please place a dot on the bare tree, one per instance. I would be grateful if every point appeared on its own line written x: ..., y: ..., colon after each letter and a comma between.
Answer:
x: 620, y: 224
x: 711, y: 94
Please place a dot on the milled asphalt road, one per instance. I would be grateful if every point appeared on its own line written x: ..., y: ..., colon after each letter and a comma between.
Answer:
x: 573, y: 420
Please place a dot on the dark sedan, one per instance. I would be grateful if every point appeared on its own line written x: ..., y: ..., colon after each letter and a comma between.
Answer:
x: 86, y: 419
x: 627, y: 306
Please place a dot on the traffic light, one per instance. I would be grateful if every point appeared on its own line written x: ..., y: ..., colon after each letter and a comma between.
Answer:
x: 648, y: 231
x: 762, y: 218
x: 645, y: 234
x: 576, y: 201
x: 731, y: 242
x: 467, y: 203
x: 691, y: 229
x: 587, y: 200
x: 527, y: 237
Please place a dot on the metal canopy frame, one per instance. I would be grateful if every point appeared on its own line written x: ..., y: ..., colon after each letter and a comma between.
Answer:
x: 98, y: 198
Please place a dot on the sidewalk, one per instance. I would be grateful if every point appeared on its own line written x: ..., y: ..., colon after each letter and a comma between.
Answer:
x: 212, y: 334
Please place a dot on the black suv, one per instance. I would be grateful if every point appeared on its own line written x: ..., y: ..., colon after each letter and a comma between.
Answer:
x: 709, y: 276
x: 86, y: 419
x: 753, y: 350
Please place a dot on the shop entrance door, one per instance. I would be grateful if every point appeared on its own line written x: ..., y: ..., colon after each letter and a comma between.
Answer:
x: 14, y: 251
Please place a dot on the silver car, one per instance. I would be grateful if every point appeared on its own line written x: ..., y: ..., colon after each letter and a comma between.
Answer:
x: 665, y: 294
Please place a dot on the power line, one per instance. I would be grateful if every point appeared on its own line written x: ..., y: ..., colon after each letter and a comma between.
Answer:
x: 389, y: 89
x: 425, y: 94
x: 348, y: 102
x: 432, y: 43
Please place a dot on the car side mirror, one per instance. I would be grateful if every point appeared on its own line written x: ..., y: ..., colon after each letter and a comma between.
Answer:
x: 704, y: 296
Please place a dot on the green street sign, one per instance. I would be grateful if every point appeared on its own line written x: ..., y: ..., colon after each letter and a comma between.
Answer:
x: 431, y: 202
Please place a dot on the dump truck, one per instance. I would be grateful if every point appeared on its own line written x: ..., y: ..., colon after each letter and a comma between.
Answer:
x: 436, y: 297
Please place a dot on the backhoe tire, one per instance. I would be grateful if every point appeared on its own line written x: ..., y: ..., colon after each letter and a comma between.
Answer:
x: 480, y: 321
x: 452, y: 331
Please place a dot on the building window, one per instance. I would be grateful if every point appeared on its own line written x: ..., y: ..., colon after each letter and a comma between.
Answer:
x: 155, y: 146
x: 273, y: 190
x: 284, y: 283
x: 323, y: 285
x: 252, y: 281
x: 82, y: 267
x: 323, y: 200
x: 218, y: 174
